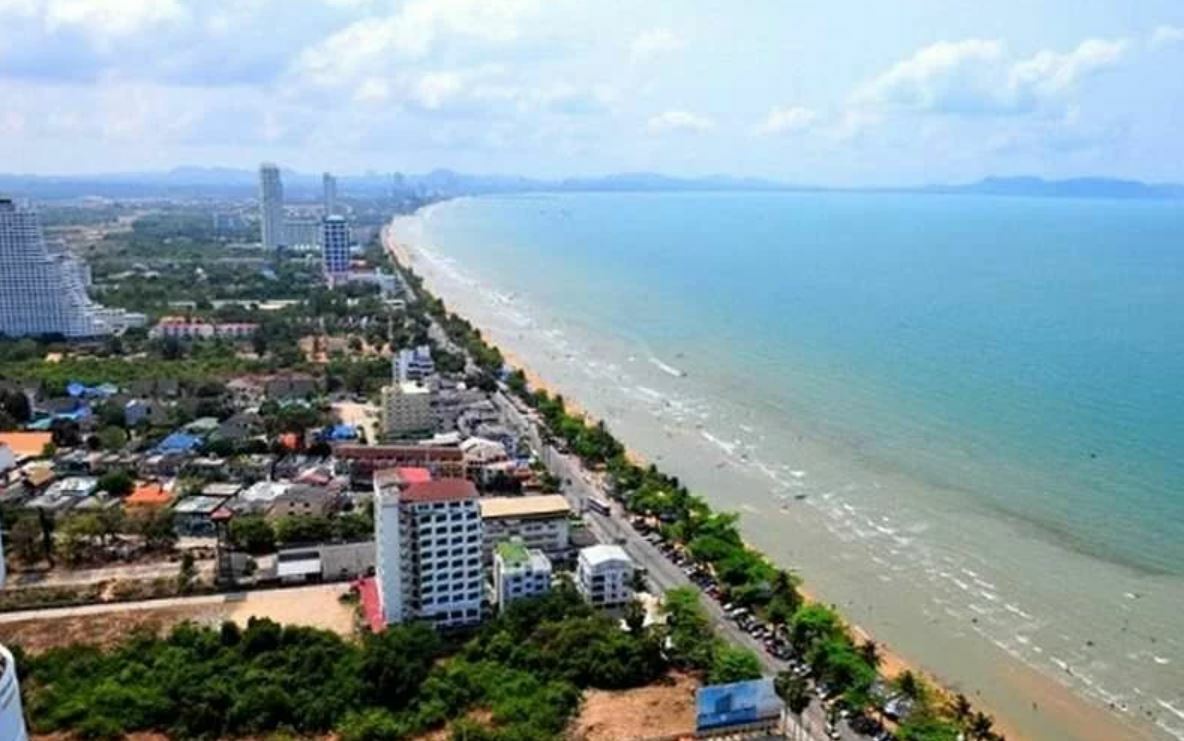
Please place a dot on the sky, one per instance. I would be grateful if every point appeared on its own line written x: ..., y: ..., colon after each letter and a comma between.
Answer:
x: 846, y: 92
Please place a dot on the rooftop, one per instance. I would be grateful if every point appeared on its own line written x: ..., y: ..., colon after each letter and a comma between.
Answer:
x: 541, y: 505
x: 440, y: 490
x: 513, y: 553
x: 604, y: 553
x: 26, y: 444
x: 149, y: 494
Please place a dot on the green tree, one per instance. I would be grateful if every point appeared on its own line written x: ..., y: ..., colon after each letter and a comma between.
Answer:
x: 734, y: 664
x: 117, y: 483
x: 187, y: 574
x: 252, y: 534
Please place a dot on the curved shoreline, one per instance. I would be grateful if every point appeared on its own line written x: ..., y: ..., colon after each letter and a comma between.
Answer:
x: 1075, y: 717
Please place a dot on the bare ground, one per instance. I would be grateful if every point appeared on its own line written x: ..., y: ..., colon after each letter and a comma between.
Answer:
x: 662, y: 709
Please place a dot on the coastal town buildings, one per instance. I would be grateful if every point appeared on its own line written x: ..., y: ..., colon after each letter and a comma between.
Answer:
x: 12, y: 715
x: 428, y: 539
x: 271, y: 206
x: 413, y: 364
x: 302, y: 234
x: 43, y: 293
x: 180, y: 328
x: 604, y: 575
x: 519, y: 572
x: 335, y: 239
x: 540, y: 522
x: 407, y: 411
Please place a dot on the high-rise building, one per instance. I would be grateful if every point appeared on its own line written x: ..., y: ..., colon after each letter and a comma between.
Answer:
x: 45, y: 293
x: 335, y: 239
x: 413, y: 364
x: 329, y: 183
x: 428, y: 538
x: 271, y: 206
x: 407, y: 410
x: 12, y: 716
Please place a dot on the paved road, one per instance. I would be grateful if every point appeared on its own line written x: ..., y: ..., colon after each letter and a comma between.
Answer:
x: 156, y: 604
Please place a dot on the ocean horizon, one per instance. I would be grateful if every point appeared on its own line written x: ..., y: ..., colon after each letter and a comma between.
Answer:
x: 957, y: 416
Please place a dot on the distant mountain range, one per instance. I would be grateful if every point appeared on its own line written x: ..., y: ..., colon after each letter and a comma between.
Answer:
x: 221, y: 182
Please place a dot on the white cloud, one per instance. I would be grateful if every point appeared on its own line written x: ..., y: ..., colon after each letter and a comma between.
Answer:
x: 1166, y: 36
x: 980, y: 76
x: 98, y: 19
x: 435, y: 88
x: 787, y: 121
x: 679, y: 121
x: 654, y: 43
x: 415, y: 29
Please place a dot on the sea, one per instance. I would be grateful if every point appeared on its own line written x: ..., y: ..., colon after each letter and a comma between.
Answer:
x: 959, y: 418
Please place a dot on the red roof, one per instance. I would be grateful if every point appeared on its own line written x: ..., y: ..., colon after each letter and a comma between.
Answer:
x: 371, y: 607
x: 409, y: 475
x: 440, y: 490
x: 410, y: 453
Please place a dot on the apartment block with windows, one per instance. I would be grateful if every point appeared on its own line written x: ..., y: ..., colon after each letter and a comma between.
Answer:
x: 604, y: 575
x: 429, y: 540
x: 519, y: 572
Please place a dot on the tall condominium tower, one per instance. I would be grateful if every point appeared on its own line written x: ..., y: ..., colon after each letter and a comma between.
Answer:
x: 330, y: 185
x: 429, y: 543
x: 335, y: 238
x: 45, y: 293
x: 271, y: 206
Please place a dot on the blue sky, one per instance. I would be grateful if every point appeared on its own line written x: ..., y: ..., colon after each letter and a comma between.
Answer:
x: 854, y: 92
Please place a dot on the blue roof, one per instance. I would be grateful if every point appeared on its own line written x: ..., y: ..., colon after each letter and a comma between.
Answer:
x: 340, y: 432
x: 737, y: 703
x: 178, y: 442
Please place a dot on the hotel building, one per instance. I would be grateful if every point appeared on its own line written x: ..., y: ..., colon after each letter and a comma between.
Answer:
x: 271, y: 206
x: 42, y: 293
x: 519, y: 572
x: 605, y: 575
x: 428, y: 539
x: 407, y: 410
x: 335, y: 239
x: 540, y: 522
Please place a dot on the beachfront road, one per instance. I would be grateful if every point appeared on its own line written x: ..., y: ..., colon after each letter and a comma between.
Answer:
x: 663, y: 574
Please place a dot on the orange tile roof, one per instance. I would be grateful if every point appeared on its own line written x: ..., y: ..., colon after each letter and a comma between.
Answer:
x: 26, y: 444
x: 148, y: 494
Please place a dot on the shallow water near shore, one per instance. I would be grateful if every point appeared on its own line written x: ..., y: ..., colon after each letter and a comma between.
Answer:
x: 957, y: 417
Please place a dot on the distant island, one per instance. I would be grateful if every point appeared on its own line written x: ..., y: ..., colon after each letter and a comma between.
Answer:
x: 225, y: 182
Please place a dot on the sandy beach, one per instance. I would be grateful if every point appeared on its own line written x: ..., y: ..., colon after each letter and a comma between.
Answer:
x: 1026, y: 702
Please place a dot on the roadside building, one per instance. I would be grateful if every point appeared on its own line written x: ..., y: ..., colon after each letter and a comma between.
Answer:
x: 739, y: 709
x: 604, y: 575
x: 540, y: 521
x: 361, y: 461
x: 519, y: 572
x: 325, y: 562
x: 413, y: 364
x: 407, y: 411
x: 258, y: 497
x: 428, y: 539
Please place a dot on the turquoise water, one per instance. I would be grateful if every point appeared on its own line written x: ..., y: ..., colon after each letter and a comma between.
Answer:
x: 958, y: 417
x: 1027, y: 351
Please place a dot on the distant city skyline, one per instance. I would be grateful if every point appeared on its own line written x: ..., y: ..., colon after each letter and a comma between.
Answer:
x: 849, y: 93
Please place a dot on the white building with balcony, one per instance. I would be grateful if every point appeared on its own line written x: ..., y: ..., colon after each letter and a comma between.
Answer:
x: 604, y: 575
x: 540, y: 521
x: 428, y: 538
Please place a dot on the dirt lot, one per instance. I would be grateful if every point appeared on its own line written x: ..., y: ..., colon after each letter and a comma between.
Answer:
x: 317, y: 607
x: 657, y: 710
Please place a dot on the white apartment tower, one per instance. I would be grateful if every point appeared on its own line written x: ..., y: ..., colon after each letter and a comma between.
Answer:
x: 335, y: 239
x: 329, y: 184
x: 271, y: 206
x: 45, y: 293
x: 12, y: 716
x: 428, y: 538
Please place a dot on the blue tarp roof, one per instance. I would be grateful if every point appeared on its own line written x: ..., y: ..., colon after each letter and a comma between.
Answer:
x: 737, y: 703
x: 178, y: 442
x: 340, y: 432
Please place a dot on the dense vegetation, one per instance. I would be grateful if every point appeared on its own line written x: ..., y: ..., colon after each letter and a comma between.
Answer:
x: 525, y: 669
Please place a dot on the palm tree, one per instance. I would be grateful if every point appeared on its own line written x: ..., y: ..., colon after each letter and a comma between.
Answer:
x: 961, y: 709
x: 981, y: 726
x: 870, y: 653
x: 796, y: 693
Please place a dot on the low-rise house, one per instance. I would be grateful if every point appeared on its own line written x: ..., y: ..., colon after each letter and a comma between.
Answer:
x: 25, y: 445
x: 303, y: 500
x: 291, y: 387
x: 540, y: 521
x: 519, y: 572
x: 7, y: 459
x: 258, y: 497
x: 326, y: 561
x: 604, y: 575
x: 192, y: 516
x: 240, y: 426
x: 178, y: 443
x: 64, y: 494
x: 224, y: 489
x: 180, y: 328
x: 149, y: 495
x: 145, y: 411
